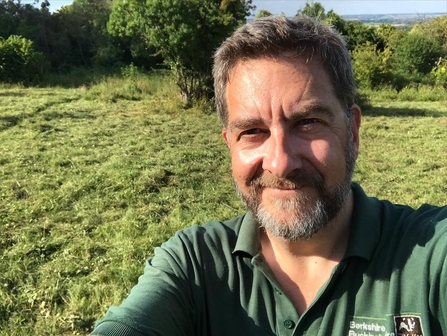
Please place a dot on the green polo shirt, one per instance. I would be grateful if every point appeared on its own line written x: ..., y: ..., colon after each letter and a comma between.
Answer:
x: 213, y: 280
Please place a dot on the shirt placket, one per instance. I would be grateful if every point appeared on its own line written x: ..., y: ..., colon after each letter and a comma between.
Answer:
x: 288, y: 322
x: 286, y: 315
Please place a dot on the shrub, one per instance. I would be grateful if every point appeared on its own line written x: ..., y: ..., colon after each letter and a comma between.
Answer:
x: 412, y: 92
x: 19, y: 62
x: 415, y: 56
x: 372, y: 67
x: 184, y: 32
x: 421, y: 93
x: 439, y: 73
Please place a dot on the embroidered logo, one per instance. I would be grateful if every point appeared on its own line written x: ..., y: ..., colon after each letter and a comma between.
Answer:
x: 408, y: 325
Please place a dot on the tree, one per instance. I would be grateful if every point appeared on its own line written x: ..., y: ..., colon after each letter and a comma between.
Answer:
x: 372, y: 67
x: 355, y: 32
x: 25, y: 20
x: 336, y: 21
x: 19, y: 62
x: 263, y: 13
x: 435, y: 28
x: 184, y: 32
x: 313, y: 9
x: 127, y: 21
x: 82, y: 37
x: 9, y: 18
x: 439, y: 73
x: 416, y: 55
x: 358, y: 33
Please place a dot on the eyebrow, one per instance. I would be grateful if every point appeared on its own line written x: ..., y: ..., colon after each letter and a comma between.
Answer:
x: 244, y: 123
x: 303, y: 112
x: 314, y: 108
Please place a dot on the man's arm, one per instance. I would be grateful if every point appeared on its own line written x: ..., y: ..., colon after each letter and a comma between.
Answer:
x: 161, y: 303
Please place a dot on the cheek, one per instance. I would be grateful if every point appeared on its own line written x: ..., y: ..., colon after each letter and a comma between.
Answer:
x: 245, y: 164
x: 328, y: 158
x: 321, y: 152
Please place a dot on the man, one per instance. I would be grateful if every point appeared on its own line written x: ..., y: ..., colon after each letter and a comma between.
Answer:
x: 313, y: 255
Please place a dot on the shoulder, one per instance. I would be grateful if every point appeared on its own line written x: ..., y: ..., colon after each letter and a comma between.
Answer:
x: 212, y: 242
x: 214, y: 232
x: 416, y: 238
x: 425, y: 219
x: 397, y: 231
x: 397, y: 217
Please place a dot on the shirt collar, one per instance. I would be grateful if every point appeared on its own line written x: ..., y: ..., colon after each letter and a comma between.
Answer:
x: 365, y: 225
x: 248, y: 236
x: 364, y: 235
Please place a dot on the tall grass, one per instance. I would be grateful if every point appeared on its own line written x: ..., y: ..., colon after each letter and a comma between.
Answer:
x: 416, y: 93
x: 94, y: 177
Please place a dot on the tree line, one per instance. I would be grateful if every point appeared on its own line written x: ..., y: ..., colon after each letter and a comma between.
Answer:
x: 182, y: 35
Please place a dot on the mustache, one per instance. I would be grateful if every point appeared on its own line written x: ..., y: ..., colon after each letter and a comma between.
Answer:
x: 295, y: 180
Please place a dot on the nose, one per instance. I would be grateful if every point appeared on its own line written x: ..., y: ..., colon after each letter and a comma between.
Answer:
x: 282, y: 155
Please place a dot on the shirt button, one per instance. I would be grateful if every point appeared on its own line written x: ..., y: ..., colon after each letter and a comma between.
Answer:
x: 278, y: 291
x: 289, y: 324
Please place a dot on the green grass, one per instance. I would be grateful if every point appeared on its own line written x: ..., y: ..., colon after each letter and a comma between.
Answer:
x: 404, y: 152
x: 415, y: 93
x: 93, y: 178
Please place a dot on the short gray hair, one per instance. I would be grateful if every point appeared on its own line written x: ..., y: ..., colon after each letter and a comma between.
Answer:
x: 273, y: 36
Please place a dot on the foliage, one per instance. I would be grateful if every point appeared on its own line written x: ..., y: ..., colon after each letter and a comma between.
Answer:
x: 19, y: 62
x: 358, y: 33
x: 435, y: 28
x: 372, y: 67
x: 181, y: 35
x: 23, y: 19
x: 88, y: 188
x: 313, y: 9
x: 389, y: 34
x: 415, y: 56
x: 439, y: 73
x: 32, y: 23
x: 83, y: 28
x: 74, y: 36
x: 411, y: 93
x: 355, y: 32
x: 336, y: 21
x: 263, y: 13
x: 127, y: 22
x: 317, y: 10
x: 184, y: 32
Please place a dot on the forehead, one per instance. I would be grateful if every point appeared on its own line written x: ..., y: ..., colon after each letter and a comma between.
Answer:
x: 281, y: 80
x: 295, y: 67
x: 303, y: 60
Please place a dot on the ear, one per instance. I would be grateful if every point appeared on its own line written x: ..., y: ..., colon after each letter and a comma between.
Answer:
x: 355, y: 125
x: 225, y: 137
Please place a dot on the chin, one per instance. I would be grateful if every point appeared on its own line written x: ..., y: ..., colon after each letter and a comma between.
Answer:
x: 292, y: 221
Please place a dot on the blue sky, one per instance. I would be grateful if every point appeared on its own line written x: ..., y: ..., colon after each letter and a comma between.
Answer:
x: 342, y: 7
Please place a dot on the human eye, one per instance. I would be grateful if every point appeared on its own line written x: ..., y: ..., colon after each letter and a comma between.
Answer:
x: 308, y: 124
x: 251, y: 134
x: 252, y: 131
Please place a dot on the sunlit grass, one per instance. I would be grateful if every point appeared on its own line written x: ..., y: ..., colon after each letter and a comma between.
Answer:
x: 404, y: 152
x: 93, y: 178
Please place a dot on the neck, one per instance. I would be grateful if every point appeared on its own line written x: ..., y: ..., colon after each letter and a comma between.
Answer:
x: 302, y: 267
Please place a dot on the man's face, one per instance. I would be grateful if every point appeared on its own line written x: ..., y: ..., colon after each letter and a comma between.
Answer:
x: 292, y: 148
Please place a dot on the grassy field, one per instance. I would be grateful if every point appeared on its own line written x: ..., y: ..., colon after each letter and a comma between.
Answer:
x: 93, y: 178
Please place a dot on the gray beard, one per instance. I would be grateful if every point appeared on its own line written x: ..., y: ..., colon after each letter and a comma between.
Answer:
x: 304, y: 219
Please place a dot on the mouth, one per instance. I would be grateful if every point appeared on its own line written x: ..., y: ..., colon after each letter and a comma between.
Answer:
x: 292, y: 186
x: 283, y: 190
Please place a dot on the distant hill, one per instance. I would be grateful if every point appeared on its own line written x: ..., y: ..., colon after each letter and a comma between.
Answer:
x: 392, y: 18
x: 395, y: 19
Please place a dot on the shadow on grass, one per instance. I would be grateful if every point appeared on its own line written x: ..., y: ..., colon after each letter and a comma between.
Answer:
x: 13, y: 120
x: 372, y: 111
x: 11, y: 94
